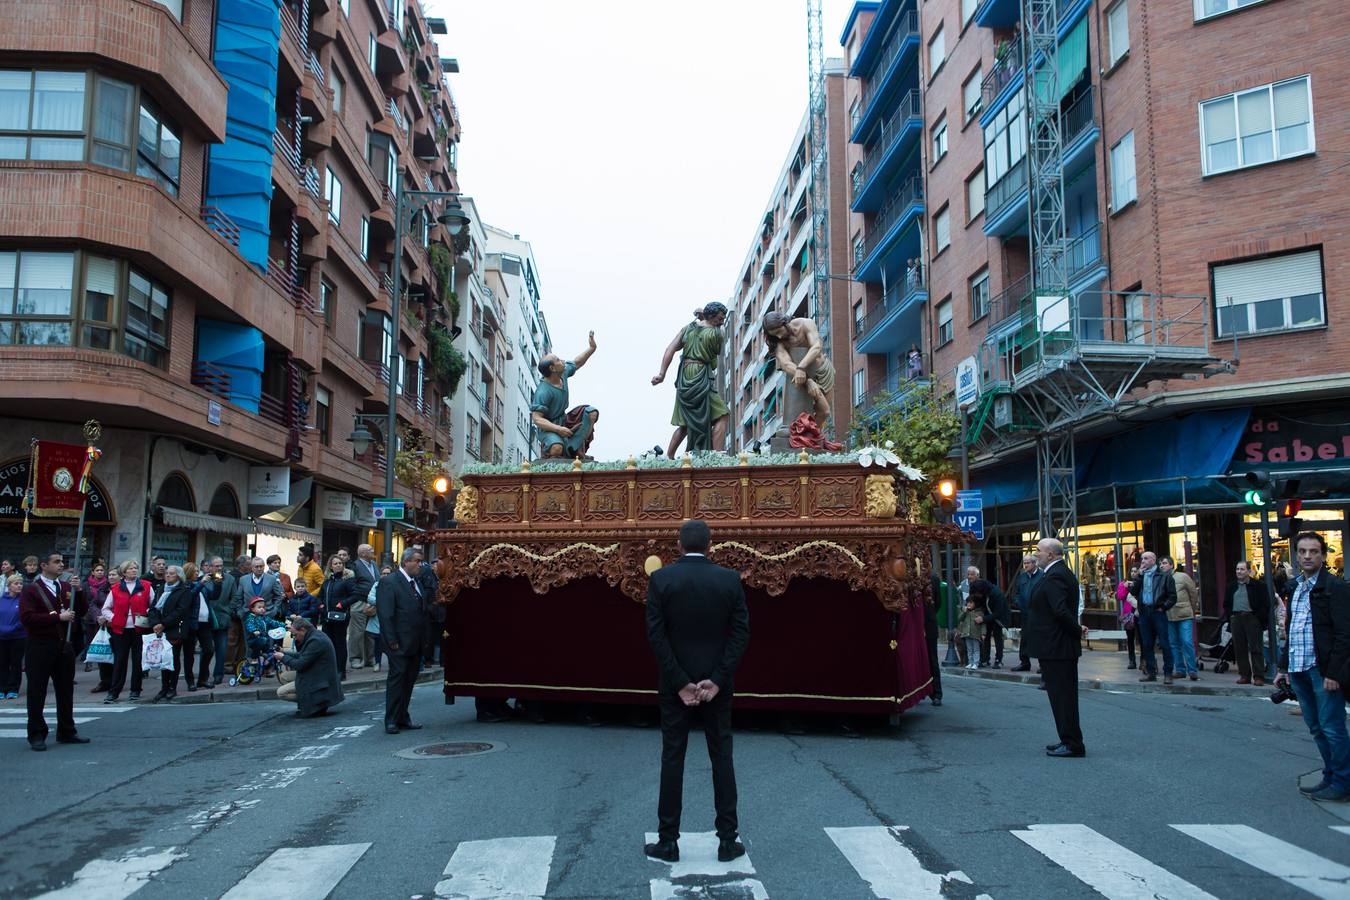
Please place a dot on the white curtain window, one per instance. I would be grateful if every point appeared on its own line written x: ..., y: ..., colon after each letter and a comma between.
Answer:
x: 971, y: 98
x: 1005, y: 140
x: 45, y: 280
x: 968, y: 8
x: 113, y: 103
x: 332, y: 192
x: 365, y: 238
x: 859, y: 383
x: 9, y: 267
x: 1270, y: 294
x: 942, y: 232
x: 15, y: 99
x: 58, y: 101
x: 1207, y: 8
x: 1123, y: 187
x: 371, y: 56
x: 1118, y: 30
x: 944, y: 319
x: 979, y: 295
x: 1258, y: 126
x: 937, y: 52
x: 975, y: 195
x: 940, y: 139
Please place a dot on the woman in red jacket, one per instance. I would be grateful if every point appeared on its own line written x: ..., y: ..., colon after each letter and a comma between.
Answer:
x: 126, y: 612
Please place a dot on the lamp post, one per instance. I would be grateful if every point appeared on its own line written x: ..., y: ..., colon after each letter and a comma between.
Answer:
x: 454, y: 219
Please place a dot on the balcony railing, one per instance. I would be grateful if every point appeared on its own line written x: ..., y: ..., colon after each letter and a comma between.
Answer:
x: 286, y: 284
x: 1001, y: 192
x: 311, y: 180
x: 908, y: 108
x: 221, y: 224
x: 285, y: 145
x: 1009, y: 302
x: 211, y: 379
x: 292, y: 28
x: 895, y: 391
x: 1078, y: 118
x: 910, y: 193
x: 312, y: 64
x: 897, y: 296
x: 1085, y: 251
x: 284, y: 412
x: 378, y: 369
x: 906, y: 27
x: 397, y: 116
x: 1006, y: 68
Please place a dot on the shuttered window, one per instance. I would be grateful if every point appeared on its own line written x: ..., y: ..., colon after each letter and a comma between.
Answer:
x: 1258, y: 126
x: 1265, y: 295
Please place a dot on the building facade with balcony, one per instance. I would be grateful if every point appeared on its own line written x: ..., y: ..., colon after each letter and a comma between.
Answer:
x: 776, y: 275
x: 1200, y: 212
x: 522, y: 340
x: 196, y: 242
x: 466, y: 404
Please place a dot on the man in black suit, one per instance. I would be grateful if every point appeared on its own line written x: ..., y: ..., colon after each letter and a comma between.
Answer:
x: 698, y: 626
x: 401, y: 604
x: 1053, y: 636
x: 930, y: 636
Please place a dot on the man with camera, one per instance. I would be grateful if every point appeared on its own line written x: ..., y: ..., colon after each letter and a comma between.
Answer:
x: 1315, y: 665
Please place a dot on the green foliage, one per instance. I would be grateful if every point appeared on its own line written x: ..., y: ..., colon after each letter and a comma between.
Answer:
x: 447, y: 363
x: 415, y: 465
x: 923, y: 428
x: 442, y: 264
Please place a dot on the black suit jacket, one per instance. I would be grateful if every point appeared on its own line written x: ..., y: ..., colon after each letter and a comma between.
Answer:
x: 697, y: 623
x: 403, y: 616
x: 1051, y: 630
x: 1164, y: 590
x: 1257, y: 597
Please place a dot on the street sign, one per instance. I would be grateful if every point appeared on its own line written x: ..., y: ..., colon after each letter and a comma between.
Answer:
x: 969, y: 500
x: 967, y: 382
x: 387, y: 508
x: 970, y: 520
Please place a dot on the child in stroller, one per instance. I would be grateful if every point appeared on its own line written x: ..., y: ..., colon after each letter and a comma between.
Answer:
x: 261, y: 635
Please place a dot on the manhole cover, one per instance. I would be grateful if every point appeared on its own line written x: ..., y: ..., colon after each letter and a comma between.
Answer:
x: 451, y: 748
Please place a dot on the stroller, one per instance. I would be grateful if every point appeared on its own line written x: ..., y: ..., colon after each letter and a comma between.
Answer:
x: 252, y: 669
x: 1221, y: 650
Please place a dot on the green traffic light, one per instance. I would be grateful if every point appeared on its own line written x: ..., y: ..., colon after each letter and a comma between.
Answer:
x: 1256, y: 498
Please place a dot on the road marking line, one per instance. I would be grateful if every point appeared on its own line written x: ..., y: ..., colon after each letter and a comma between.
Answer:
x: 275, y: 778
x: 318, y: 751
x: 1293, y: 865
x: 699, y: 874
x: 879, y: 855
x: 346, y: 731
x: 515, y: 867
x: 1107, y: 867
x: 743, y: 889
x: 115, y: 879
x: 220, y: 811
x: 51, y: 710
x: 301, y: 873
x: 1343, y: 829
x: 698, y: 856
x: 23, y: 732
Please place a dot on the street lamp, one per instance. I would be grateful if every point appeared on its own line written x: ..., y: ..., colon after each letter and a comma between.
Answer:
x: 454, y: 219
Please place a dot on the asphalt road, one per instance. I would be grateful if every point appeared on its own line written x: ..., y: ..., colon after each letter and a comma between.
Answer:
x: 243, y: 799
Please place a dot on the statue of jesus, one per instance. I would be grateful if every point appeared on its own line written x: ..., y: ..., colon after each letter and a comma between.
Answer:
x: 814, y: 372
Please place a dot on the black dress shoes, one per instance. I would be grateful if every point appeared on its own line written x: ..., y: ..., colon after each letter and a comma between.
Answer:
x: 38, y: 745
x: 390, y: 728
x: 937, y: 701
x: 1062, y: 751
x: 665, y: 850
x: 729, y: 850
x: 409, y: 726
x: 73, y: 739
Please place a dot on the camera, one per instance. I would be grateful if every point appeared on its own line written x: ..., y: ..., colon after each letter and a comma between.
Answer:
x: 1282, y: 694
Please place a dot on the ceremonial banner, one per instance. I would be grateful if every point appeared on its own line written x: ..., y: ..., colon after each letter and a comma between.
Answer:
x: 59, y: 474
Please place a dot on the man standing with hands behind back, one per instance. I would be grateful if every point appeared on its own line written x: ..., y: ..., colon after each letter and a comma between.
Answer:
x: 1053, y: 636
x: 698, y: 626
x: 401, y: 604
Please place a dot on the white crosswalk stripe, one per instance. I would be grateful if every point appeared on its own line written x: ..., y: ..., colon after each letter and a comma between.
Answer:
x: 515, y: 867
x: 13, y: 716
x: 1112, y: 870
x: 298, y: 873
x: 1292, y: 865
x: 879, y: 855
x: 116, y: 878
x: 699, y: 875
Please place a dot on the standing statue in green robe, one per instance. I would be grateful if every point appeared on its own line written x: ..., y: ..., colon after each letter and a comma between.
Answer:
x: 700, y: 412
x: 563, y: 432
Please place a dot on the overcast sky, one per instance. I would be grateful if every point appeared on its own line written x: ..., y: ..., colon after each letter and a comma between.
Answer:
x: 635, y: 146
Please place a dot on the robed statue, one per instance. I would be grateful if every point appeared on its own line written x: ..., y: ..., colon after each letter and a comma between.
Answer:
x: 700, y: 412
x: 564, y: 433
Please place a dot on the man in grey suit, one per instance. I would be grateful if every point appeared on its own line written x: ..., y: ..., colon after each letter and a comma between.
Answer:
x: 259, y: 583
x: 365, y: 573
x: 401, y: 604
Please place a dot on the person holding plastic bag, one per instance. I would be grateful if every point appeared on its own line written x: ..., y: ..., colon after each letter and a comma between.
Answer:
x: 126, y: 612
x: 12, y: 639
x: 96, y: 587
x: 173, y: 603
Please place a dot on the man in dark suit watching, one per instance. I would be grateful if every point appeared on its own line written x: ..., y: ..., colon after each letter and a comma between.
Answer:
x: 401, y: 604
x: 698, y: 626
x: 1053, y: 636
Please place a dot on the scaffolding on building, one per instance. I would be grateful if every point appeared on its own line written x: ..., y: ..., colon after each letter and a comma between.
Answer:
x: 818, y: 150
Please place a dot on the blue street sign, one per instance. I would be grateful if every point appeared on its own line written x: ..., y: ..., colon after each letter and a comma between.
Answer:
x: 970, y: 520
x: 969, y: 500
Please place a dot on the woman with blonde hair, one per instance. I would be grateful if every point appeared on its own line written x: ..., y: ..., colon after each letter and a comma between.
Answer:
x: 13, y: 638
x: 126, y: 612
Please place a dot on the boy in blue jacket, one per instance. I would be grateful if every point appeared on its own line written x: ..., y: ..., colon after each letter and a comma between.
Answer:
x: 256, y: 626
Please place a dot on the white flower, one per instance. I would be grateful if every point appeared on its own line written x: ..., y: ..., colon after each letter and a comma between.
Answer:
x: 878, y: 456
x: 890, y: 445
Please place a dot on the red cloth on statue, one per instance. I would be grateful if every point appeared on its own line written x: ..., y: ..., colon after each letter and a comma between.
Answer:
x: 805, y: 433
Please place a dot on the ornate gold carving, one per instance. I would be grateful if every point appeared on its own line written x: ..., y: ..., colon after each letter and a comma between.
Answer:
x: 466, y: 504
x: 716, y: 500
x: 537, y: 557
x: 779, y: 557
x: 880, y: 502
x: 501, y: 504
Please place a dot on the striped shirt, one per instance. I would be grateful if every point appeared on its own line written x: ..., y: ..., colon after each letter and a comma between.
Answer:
x: 1302, y: 654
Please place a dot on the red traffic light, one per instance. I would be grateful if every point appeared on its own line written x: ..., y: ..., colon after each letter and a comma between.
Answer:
x: 1290, y: 508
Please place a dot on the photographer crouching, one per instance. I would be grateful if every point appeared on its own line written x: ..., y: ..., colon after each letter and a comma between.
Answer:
x: 316, y: 688
x: 1316, y: 663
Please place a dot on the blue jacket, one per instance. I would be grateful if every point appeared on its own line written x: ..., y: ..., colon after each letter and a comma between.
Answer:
x: 305, y: 605
x: 10, y: 626
x: 256, y: 628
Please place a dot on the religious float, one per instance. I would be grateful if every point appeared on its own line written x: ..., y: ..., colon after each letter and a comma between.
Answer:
x: 544, y: 579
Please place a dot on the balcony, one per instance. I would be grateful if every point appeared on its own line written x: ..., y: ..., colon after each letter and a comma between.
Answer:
x: 904, y: 39
x: 895, y: 140
x: 1010, y: 302
x: 1005, y: 202
x: 894, y: 323
x: 1007, y: 69
x: 1079, y: 132
x: 1084, y: 258
x: 903, y: 209
x: 998, y: 13
x: 895, y: 393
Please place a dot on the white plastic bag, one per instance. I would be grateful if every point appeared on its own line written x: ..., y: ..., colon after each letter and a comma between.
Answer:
x: 100, y: 649
x: 156, y: 653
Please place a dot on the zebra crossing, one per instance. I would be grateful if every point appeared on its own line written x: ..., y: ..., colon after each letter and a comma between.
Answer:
x: 14, y: 719
x: 881, y: 858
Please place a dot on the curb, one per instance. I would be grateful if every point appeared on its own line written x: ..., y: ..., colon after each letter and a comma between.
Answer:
x: 1132, y: 687
x: 235, y: 695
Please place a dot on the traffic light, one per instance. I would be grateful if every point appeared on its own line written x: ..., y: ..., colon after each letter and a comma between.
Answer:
x: 944, y: 498
x: 1290, y: 524
x: 441, y: 502
x: 1258, y: 488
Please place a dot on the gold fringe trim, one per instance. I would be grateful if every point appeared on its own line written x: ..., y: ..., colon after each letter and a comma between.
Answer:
x: 537, y: 557
x: 778, y: 557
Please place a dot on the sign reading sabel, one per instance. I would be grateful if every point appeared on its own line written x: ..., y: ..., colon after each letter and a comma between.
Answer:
x: 967, y: 382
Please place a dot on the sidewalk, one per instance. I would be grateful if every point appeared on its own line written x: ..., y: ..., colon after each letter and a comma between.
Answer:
x: 1106, y: 670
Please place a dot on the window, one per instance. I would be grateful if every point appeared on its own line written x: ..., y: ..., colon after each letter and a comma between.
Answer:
x: 1206, y: 8
x: 858, y: 318
x: 945, y: 331
x: 158, y: 148
x: 113, y: 103
x: 979, y: 295
x: 1257, y: 126
x: 364, y: 246
x: 859, y: 386
x: 323, y: 414
x: 942, y: 230
x: 975, y: 194
x: 937, y: 52
x: 36, y: 297
x: 147, y: 332
x: 370, y: 56
x: 332, y: 192
x: 48, y: 109
x: 1118, y: 30
x: 327, y: 301
x: 1005, y: 140
x: 346, y: 7
x: 971, y: 96
x: 100, y: 303
x: 968, y: 8
x: 939, y: 139
x: 175, y: 8
x: 339, y: 89
x: 1272, y: 294
x: 1123, y: 187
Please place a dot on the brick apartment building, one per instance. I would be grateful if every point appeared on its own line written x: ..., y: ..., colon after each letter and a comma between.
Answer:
x: 196, y: 248
x: 776, y: 275
x: 1202, y: 177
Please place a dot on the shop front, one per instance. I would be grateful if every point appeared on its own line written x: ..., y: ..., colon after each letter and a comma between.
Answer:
x: 51, y: 534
